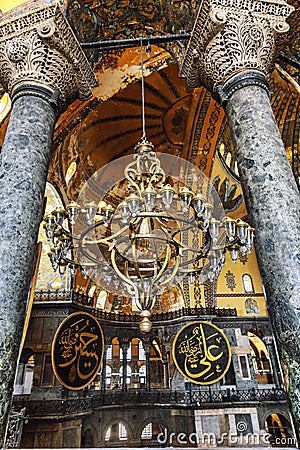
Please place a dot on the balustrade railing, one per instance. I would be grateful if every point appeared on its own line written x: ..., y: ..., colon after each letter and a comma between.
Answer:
x: 195, y: 398
x: 86, y: 301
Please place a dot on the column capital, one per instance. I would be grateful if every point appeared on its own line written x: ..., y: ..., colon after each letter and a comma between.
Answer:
x: 40, y: 55
x: 231, y: 38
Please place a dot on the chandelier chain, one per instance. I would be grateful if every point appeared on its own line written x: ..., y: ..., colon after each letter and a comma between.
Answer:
x: 144, y: 137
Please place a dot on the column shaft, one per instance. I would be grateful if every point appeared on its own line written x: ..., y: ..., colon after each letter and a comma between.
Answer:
x: 23, y: 171
x: 273, y: 203
x: 124, y: 379
x: 148, y: 383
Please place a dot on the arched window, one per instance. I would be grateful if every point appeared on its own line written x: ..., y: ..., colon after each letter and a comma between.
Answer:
x: 147, y: 432
x: 247, y: 283
x: 101, y: 299
x: 151, y: 431
x: 116, y: 432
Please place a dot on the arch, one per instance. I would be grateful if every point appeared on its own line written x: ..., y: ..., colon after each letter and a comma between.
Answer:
x: 88, y: 438
x: 25, y: 371
x: 117, y: 431
x: 150, y: 432
x: 154, y: 420
x: 261, y: 359
x: 280, y: 430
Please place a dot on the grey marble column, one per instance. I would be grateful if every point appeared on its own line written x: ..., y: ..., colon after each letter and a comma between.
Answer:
x: 232, y: 52
x: 44, y: 69
x: 273, y: 203
x: 24, y: 163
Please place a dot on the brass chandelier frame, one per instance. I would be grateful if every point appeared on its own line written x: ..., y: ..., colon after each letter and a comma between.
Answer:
x: 159, y: 233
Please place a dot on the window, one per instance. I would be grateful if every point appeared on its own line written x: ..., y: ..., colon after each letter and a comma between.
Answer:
x: 101, y: 299
x: 109, y: 353
x: 142, y: 355
x: 122, y: 432
x: 244, y: 367
x: 248, y: 284
x: 147, y: 432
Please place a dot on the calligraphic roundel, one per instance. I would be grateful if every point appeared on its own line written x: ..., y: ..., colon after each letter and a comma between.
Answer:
x: 201, y: 352
x: 77, y: 350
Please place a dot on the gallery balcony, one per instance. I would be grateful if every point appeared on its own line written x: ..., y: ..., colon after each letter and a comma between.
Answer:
x: 90, y: 400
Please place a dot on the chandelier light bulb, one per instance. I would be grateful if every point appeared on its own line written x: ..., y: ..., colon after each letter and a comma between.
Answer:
x: 134, y: 204
x: 90, y: 212
x: 242, y: 230
x: 185, y: 195
x: 230, y: 228
x: 198, y: 202
x: 214, y: 229
x: 73, y: 210
x: 234, y: 254
x: 59, y: 216
x: 149, y: 197
x: 167, y: 193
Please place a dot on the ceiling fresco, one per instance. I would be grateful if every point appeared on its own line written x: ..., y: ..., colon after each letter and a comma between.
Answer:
x: 181, y: 121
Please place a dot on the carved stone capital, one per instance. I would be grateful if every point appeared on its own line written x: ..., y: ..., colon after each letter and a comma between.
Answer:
x: 39, y: 55
x: 231, y: 37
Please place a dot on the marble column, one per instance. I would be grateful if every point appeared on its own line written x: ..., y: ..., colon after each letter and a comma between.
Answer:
x: 232, y: 52
x: 43, y: 69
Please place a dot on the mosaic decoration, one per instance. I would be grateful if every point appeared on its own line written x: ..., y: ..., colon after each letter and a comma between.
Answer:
x: 201, y: 352
x: 77, y: 350
x: 230, y: 280
x: 227, y: 194
x: 251, y: 306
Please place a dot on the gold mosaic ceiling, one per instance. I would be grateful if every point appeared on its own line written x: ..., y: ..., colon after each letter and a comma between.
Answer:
x: 180, y: 121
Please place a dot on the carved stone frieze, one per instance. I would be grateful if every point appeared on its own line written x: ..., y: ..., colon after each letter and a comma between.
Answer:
x: 39, y: 48
x: 233, y: 37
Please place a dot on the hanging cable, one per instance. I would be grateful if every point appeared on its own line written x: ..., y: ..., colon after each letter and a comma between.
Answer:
x: 144, y: 137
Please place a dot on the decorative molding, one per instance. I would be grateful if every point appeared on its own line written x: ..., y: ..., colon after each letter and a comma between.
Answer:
x: 233, y: 37
x: 39, y: 55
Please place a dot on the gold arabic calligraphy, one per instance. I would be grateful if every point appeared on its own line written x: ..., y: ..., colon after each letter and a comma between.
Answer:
x: 79, y: 347
x: 201, y: 352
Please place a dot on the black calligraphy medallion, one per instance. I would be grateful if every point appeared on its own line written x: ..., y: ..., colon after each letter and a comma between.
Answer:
x: 77, y: 350
x: 201, y: 352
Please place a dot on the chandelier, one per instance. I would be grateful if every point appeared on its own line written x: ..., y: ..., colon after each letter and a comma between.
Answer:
x: 148, y: 230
